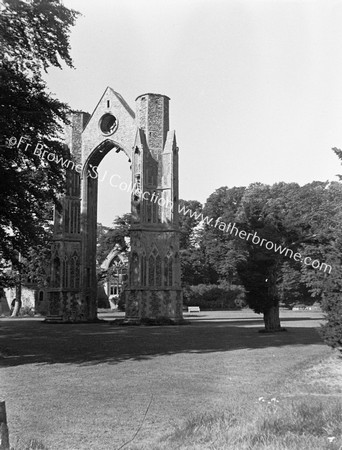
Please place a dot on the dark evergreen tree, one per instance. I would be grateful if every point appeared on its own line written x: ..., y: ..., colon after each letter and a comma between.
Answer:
x: 331, y: 331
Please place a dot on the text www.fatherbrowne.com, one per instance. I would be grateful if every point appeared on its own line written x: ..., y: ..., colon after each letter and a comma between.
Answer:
x: 222, y: 226
x: 255, y: 239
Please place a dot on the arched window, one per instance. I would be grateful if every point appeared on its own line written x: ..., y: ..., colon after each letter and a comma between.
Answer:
x: 154, y: 268
x: 75, y: 212
x: 158, y: 271
x: 170, y: 274
x: 66, y: 215
x: 76, y: 184
x: 151, y: 270
x: 143, y: 270
x: 149, y: 205
x: 56, y: 272
x: 74, y: 271
x: 78, y: 218
x: 66, y: 277
x: 72, y: 217
x: 135, y: 269
x: 155, y: 208
x: 166, y: 271
x: 77, y: 272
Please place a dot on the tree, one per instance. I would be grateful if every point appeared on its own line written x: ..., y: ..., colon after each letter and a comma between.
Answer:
x: 188, y: 222
x: 331, y: 288
x: 321, y: 206
x: 221, y: 248
x: 33, y: 268
x: 196, y: 268
x: 303, y: 220
x: 194, y: 263
x: 266, y: 210
x: 293, y: 219
x: 291, y: 287
x: 34, y: 37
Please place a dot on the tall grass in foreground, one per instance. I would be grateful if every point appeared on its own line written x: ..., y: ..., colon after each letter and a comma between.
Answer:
x: 272, y: 425
x: 32, y: 444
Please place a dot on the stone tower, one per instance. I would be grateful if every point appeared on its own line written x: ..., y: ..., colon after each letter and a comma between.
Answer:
x: 154, y: 289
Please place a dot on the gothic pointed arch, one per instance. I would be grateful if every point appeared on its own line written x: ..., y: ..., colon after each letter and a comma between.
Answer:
x: 153, y: 288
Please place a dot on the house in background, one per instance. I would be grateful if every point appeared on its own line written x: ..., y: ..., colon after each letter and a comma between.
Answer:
x: 33, y: 295
x: 115, y: 268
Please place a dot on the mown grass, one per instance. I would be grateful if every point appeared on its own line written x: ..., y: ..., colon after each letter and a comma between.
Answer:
x: 297, y: 425
x: 87, y: 387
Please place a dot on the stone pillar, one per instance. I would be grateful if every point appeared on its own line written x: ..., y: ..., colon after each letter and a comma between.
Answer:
x: 154, y: 288
x: 65, y: 301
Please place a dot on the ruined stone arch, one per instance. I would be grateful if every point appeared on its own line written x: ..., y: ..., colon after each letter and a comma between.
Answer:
x: 151, y: 149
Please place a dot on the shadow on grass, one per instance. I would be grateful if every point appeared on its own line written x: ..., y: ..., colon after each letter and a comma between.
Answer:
x: 35, y: 342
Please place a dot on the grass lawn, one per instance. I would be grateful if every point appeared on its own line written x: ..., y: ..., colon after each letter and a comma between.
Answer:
x: 75, y: 387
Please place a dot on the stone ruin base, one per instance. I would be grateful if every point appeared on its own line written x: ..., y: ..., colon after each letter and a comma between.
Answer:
x: 148, y: 306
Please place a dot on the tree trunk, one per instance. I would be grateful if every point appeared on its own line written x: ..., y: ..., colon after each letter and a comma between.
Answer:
x: 4, y: 438
x: 17, y: 304
x: 16, y: 309
x: 272, y: 319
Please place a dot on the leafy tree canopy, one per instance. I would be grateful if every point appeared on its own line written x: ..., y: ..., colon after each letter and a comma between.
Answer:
x: 34, y: 36
x: 221, y: 247
x: 301, y: 219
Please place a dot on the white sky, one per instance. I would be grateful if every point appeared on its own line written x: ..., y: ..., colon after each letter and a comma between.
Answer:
x: 255, y: 86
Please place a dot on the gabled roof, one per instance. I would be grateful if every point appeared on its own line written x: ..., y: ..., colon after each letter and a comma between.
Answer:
x: 119, y: 97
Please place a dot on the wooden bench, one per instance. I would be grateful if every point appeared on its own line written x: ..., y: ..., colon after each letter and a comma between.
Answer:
x: 192, y: 309
x: 53, y: 318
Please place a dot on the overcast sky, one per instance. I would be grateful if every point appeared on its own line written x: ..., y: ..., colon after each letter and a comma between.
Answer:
x: 255, y: 86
